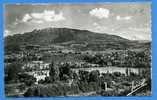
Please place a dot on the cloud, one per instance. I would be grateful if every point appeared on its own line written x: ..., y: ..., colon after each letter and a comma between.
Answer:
x: 123, y: 18
x: 16, y: 22
x: 136, y: 33
x: 79, y: 10
x: 112, y: 29
x: 143, y: 29
x: 6, y: 32
x: 46, y: 15
x: 37, y: 21
x: 26, y: 18
x: 98, y: 28
x: 141, y: 37
x: 95, y: 24
x: 100, y: 13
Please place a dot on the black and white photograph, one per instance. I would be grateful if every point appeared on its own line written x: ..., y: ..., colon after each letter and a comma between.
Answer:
x: 65, y: 49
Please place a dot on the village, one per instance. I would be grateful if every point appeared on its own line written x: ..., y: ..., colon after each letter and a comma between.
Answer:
x: 111, y: 71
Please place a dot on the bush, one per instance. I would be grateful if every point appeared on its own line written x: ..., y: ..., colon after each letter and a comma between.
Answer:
x: 84, y: 75
x: 117, y: 74
x: 93, y: 86
x: 108, y: 93
x: 22, y: 87
x: 83, y: 86
x: 29, y: 82
x: 55, y: 89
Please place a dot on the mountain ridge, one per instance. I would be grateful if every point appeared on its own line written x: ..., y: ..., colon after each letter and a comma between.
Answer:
x: 64, y: 36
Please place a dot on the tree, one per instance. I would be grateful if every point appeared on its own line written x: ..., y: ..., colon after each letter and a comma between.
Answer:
x: 29, y: 92
x: 54, y: 72
x: 83, y: 75
x: 41, y: 81
x: 27, y: 79
x: 12, y: 71
x: 30, y: 81
x: 65, y: 70
x: 65, y: 77
x: 94, y: 76
x: 117, y: 74
x: 12, y: 48
x: 75, y: 76
x: 47, y: 80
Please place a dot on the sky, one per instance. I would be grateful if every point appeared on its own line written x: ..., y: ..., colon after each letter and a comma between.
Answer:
x: 128, y: 20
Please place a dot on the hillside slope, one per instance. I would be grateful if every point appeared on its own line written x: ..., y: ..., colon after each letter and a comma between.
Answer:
x: 72, y: 38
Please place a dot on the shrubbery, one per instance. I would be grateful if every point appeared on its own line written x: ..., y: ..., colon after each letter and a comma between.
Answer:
x: 55, y: 89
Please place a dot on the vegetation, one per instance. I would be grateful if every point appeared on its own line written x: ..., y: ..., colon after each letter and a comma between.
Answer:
x: 11, y: 72
x: 83, y: 82
x: 54, y: 72
x: 50, y: 36
x: 122, y: 59
x: 81, y: 49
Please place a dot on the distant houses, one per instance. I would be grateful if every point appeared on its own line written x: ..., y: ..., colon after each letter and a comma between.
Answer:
x: 38, y: 69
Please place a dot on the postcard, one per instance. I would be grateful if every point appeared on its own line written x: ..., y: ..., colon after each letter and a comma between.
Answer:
x: 77, y: 49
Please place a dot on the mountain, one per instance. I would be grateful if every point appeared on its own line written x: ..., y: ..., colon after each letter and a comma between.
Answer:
x: 72, y: 38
